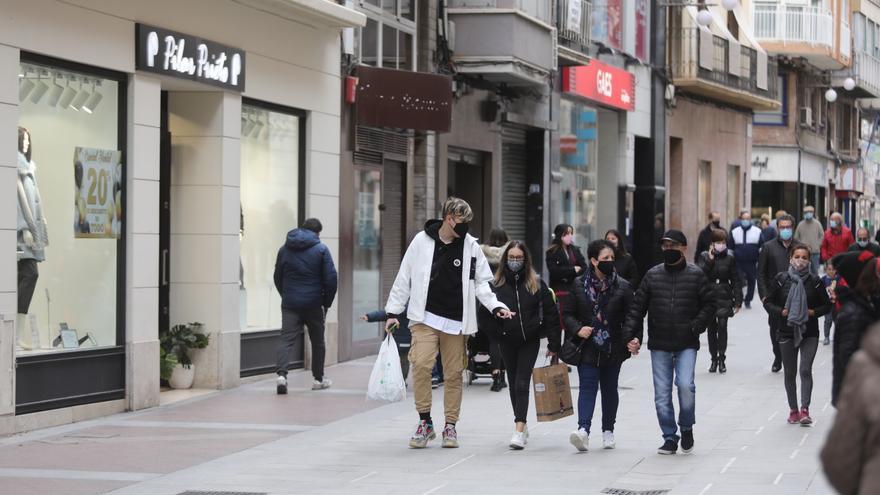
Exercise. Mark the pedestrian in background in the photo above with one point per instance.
(864, 243)
(810, 232)
(724, 281)
(443, 274)
(832, 281)
(518, 286)
(305, 277)
(704, 239)
(745, 242)
(676, 298)
(594, 319)
(624, 263)
(796, 299)
(838, 238)
(851, 455)
(767, 233)
(774, 259)
(565, 263)
(498, 242)
(860, 308)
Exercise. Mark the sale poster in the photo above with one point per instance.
(98, 202)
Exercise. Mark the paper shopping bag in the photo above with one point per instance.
(552, 392)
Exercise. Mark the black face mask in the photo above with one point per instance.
(716, 224)
(672, 256)
(461, 229)
(606, 267)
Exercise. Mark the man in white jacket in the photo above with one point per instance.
(442, 275)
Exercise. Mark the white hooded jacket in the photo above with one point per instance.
(413, 279)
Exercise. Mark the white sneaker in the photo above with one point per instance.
(323, 384)
(518, 441)
(281, 385)
(526, 432)
(608, 440)
(580, 439)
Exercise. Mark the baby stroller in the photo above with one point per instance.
(480, 359)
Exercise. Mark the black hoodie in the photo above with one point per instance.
(445, 297)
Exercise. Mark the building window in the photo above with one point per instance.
(68, 245)
(578, 150)
(390, 31)
(271, 205)
(780, 116)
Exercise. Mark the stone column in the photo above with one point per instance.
(205, 245)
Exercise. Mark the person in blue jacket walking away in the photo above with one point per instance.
(306, 279)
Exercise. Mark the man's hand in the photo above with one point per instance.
(785, 312)
(391, 324)
(585, 332)
(504, 314)
(550, 354)
(633, 346)
(811, 313)
(736, 309)
(364, 317)
(577, 269)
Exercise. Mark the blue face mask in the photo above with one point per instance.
(832, 224)
(745, 223)
(808, 216)
(862, 243)
(785, 234)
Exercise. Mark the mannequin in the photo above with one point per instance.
(32, 234)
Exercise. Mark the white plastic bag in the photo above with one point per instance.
(386, 380)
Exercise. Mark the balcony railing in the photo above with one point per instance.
(541, 10)
(867, 68)
(794, 24)
(845, 40)
(575, 39)
(688, 61)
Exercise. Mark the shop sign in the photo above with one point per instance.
(180, 55)
(602, 83)
(98, 202)
(403, 99)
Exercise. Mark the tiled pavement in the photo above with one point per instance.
(333, 441)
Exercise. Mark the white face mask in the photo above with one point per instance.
(720, 247)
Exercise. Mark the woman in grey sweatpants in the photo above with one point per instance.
(798, 298)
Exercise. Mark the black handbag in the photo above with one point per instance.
(571, 353)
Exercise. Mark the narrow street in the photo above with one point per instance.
(250, 440)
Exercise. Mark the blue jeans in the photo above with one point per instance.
(663, 364)
(591, 378)
(814, 263)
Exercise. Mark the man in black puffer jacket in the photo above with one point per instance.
(306, 280)
(678, 301)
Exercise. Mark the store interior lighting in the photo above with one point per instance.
(40, 89)
(24, 88)
(55, 94)
(67, 95)
(93, 101)
(81, 96)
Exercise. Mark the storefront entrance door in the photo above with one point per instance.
(367, 257)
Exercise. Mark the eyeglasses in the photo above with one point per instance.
(516, 258)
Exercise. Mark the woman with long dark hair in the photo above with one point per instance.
(797, 298)
(518, 286)
(565, 262)
(594, 320)
(624, 263)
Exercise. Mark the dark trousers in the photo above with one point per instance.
(747, 273)
(593, 378)
(27, 283)
(774, 340)
(292, 322)
(807, 353)
(519, 361)
(717, 337)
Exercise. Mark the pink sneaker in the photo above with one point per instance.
(805, 419)
(794, 417)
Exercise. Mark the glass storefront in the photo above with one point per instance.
(367, 263)
(271, 146)
(70, 210)
(578, 165)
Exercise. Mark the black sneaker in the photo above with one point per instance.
(777, 365)
(669, 447)
(687, 441)
(281, 385)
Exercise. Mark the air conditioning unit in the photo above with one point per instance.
(805, 117)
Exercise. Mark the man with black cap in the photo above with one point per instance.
(676, 296)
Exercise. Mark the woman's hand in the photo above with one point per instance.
(585, 332)
(364, 317)
(577, 269)
(633, 346)
(784, 312)
(811, 313)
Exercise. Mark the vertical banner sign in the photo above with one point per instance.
(98, 198)
(574, 16)
(642, 29)
(607, 22)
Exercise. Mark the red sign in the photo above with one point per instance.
(601, 82)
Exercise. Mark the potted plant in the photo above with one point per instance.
(176, 343)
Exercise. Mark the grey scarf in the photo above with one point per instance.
(796, 304)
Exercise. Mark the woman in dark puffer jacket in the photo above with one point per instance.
(594, 320)
(519, 287)
(797, 298)
(858, 311)
(720, 268)
(624, 263)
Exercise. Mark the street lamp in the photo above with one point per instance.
(849, 84)
(831, 95)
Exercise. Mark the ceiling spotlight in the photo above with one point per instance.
(729, 4)
(831, 95)
(849, 84)
(24, 88)
(67, 96)
(89, 106)
(80, 99)
(704, 18)
(55, 94)
(39, 91)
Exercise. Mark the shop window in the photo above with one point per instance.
(70, 210)
(578, 152)
(271, 184)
